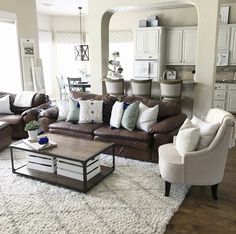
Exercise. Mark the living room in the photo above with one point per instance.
(131, 199)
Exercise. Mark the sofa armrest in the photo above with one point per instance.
(50, 113)
(33, 113)
(167, 125)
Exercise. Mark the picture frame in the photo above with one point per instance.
(27, 47)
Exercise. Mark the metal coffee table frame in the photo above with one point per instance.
(55, 179)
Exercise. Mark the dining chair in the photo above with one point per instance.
(75, 84)
(62, 87)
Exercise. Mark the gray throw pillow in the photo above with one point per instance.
(130, 116)
(73, 115)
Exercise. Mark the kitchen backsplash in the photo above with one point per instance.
(222, 73)
(228, 73)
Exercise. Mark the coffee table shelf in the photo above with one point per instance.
(64, 181)
(74, 149)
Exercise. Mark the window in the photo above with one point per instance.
(122, 41)
(10, 73)
(45, 51)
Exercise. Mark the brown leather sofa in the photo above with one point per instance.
(136, 144)
(23, 115)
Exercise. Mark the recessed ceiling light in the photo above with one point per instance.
(47, 4)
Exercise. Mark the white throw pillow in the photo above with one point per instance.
(187, 138)
(5, 105)
(116, 114)
(207, 132)
(147, 116)
(63, 107)
(90, 111)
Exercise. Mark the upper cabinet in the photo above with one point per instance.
(181, 45)
(147, 43)
(223, 37)
(232, 51)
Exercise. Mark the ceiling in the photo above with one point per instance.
(61, 7)
(70, 7)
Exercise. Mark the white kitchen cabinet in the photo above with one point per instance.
(189, 46)
(231, 100)
(220, 96)
(147, 43)
(225, 97)
(174, 46)
(181, 45)
(223, 37)
(232, 52)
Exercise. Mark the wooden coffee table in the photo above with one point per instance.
(68, 148)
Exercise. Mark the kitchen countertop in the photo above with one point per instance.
(226, 81)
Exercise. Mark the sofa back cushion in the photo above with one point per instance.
(38, 99)
(165, 109)
(108, 102)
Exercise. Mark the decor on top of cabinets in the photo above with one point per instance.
(151, 21)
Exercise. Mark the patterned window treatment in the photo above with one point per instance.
(121, 36)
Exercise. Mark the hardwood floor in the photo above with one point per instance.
(199, 213)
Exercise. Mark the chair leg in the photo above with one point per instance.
(214, 191)
(167, 188)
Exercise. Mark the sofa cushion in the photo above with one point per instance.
(121, 133)
(83, 128)
(130, 116)
(17, 125)
(91, 111)
(39, 98)
(136, 139)
(5, 105)
(11, 119)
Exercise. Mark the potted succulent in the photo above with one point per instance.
(33, 128)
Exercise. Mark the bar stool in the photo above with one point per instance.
(141, 87)
(171, 90)
(115, 87)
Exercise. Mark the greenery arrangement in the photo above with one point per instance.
(32, 125)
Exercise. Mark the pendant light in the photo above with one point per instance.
(82, 50)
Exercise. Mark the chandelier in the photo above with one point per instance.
(82, 50)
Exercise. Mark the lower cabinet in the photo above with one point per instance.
(225, 97)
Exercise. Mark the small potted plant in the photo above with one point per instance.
(32, 128)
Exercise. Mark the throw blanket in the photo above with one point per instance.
(218, 116)
(24, 99)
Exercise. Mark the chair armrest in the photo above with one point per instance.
(167, 125)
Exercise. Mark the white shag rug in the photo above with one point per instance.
(130, 200)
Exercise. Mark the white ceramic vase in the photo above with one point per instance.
(33, 135)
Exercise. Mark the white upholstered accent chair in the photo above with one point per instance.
(141, 87)
(203, 167)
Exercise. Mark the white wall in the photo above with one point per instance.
(26, 18)
(61, 23)
(208, 11)
(25, 11)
